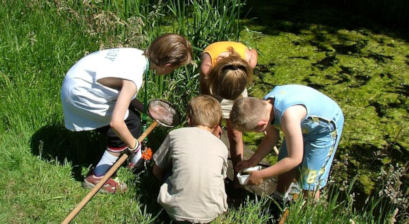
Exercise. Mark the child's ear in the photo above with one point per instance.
(261, 125)
(217, 131)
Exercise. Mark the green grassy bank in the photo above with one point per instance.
(42, 164)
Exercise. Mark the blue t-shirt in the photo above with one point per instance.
(316, 103)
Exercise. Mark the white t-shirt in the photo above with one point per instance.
(195, 189)
(87, 104)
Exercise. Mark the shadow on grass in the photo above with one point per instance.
(82, 149)
(148, 189)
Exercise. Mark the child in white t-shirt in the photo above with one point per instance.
(99, 88)
(196, 160)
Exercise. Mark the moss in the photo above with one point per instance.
(386, 160)
(367, 183)
(364, 69)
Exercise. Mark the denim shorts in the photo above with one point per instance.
(321, 138)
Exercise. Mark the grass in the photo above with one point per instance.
(42, 163)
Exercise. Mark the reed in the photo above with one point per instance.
(201, 22)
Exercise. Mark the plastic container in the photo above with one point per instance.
(243, 175)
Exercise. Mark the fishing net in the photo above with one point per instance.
(163, 112)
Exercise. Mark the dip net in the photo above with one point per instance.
(163, 112)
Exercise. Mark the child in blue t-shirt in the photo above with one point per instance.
(312, 125)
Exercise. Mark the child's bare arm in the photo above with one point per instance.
(291, 127)
(252, 56)
(205, 66)
(264, 148)
(162, 159)
(117, 123)
(266, 145)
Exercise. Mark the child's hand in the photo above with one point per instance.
(242, 165)
(255, 178)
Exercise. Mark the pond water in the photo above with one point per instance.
(360, 64)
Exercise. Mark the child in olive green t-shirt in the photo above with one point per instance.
(196, 159)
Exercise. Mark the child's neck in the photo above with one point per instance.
(204, 128)
(216, 131)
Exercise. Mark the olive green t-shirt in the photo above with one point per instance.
(197, 160)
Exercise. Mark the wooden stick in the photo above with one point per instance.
(110, 172)
(284, 216)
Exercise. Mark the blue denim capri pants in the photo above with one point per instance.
(321, 138)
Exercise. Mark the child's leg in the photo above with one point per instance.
(115, 145)
(107, 160)
(312, 194)
(114, 148)
(284, 180)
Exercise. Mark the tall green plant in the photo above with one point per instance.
(201, 22)
(206, 21)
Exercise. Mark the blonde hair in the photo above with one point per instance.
(204, 110)
(246, 113)
(170, 49)
(229, 77)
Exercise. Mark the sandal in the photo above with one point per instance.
(111, 186)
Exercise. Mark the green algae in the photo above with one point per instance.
(364, 68)
(367, 183)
